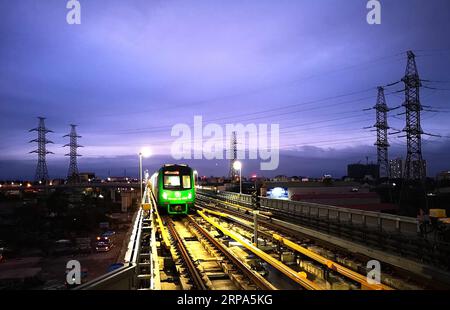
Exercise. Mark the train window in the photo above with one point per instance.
(171, 181)
(186, 181)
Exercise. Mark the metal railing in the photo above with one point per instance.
(386, 237)
(368, 219)
(123, 278)
(140, 270)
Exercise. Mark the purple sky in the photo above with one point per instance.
(135, 68)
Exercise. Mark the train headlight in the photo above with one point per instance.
(189, 195)
(164, 195)
(177, 194)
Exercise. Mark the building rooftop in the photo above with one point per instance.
(311, 184)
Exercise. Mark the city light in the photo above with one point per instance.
(237, 165)
(145, 152)
(196, 176)
(350, 189)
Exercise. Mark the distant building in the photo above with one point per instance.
(280, 178)
(118, 179)
(361, 172)
(416, 165)
(86, 176)
(56, 182)
(127, 198)
(340, 194)
(212, 180)
(396, 168)
(443, 176)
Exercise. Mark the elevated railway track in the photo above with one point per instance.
(215, 248)
(396, 261)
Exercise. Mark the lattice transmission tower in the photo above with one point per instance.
(414, 165)
(233, 174)
(382, 127)
(42, 141)
(72, 173)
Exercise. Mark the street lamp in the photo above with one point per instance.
(196, 177)
(145, 152)
(254, 178)
(238, 166)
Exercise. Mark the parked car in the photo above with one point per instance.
(103, 247)
(109, 233)
(103, 244)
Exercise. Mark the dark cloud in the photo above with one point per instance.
(308, 161)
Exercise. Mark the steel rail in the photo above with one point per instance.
(193, 271)
(361, 279)
(255, 278)
(348, 273)
(292, 274)
(154, 209)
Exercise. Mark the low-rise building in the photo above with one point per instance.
(338, 193)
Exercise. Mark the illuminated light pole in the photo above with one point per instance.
(196, 177)
(145, 152)
(237, 165)
(254, 177)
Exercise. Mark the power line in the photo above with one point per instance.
(265, 88)
(290, 113)
(235, 118)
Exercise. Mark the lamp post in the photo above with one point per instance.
(238, 166)
(145, 152)
(254, 177)
(196, 177)
(140, 174)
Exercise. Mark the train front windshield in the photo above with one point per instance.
(177, 181)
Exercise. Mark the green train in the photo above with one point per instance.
(174, 188)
